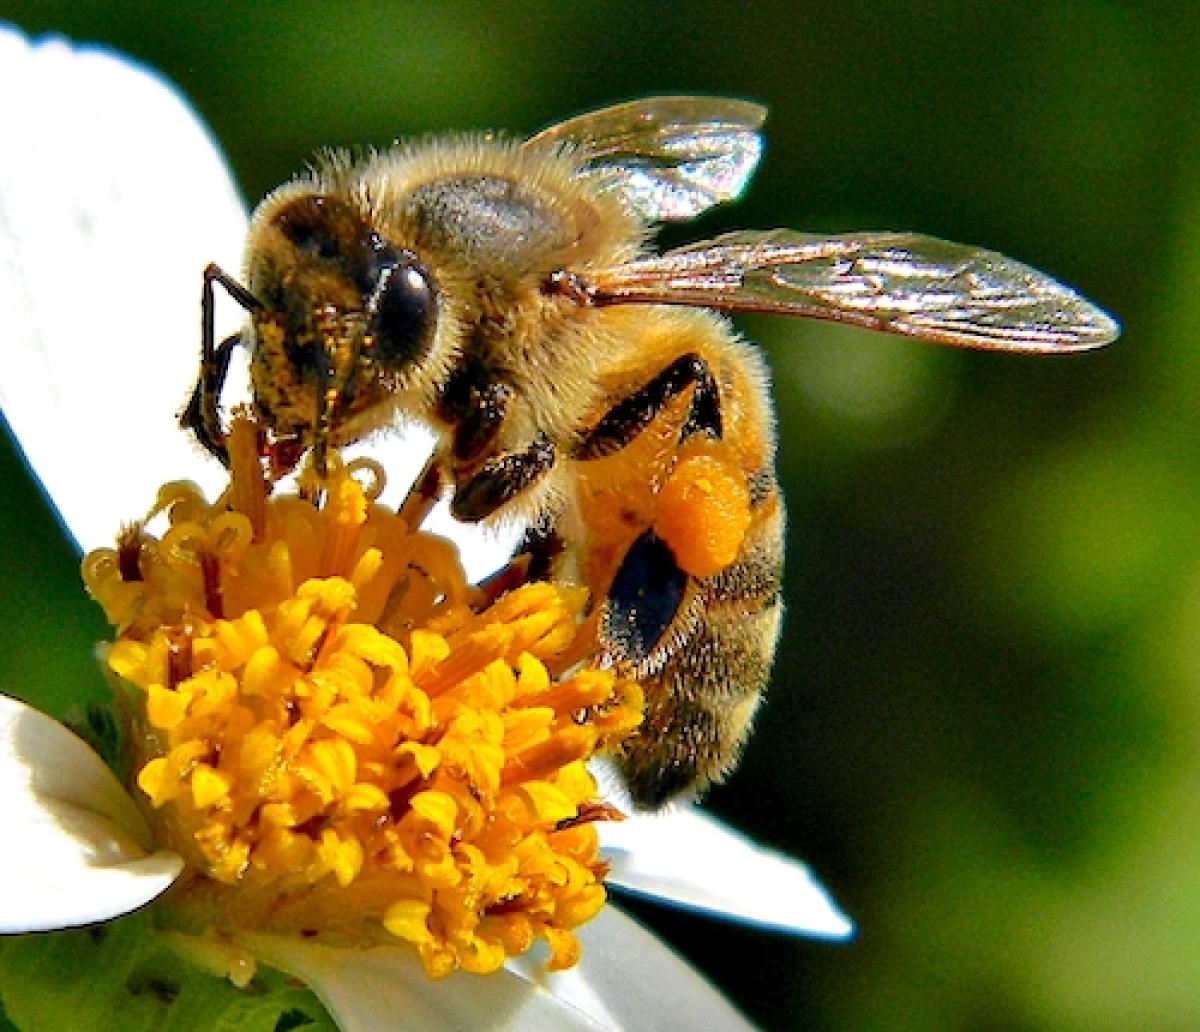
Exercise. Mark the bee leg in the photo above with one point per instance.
(543, 545)
(500, 480)
(423, 495)
(508, 578)
(646, 593)
(533, 560)
(474, 401)
(481, 420)
(647, 616)
(202, 415)
(630, 416)
(696, 628)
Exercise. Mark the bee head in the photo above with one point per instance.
(347, 317)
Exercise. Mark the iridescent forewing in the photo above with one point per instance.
(900, 283)
(666, 157)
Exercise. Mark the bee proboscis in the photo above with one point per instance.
(506, 295)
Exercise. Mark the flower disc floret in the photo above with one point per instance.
(344, 739)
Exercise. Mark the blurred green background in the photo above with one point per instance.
(984, 731)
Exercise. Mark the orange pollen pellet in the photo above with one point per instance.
(704, 512)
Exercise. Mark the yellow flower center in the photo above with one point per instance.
(344, 739)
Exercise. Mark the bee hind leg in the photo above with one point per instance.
(647, 593)
(630, 416)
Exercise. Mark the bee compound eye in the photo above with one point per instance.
(403, 310)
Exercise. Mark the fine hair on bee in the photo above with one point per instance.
(507, 295)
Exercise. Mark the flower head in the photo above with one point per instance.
(343, 740)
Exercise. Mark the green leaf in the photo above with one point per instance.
(126, 977)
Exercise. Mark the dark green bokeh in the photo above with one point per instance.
(986, 721)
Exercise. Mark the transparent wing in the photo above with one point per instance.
(666, 157)
(901, 283)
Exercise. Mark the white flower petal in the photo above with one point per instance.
(687, 858)
(482, 549)
(41, 756)
(113, 198)
(74, 849)
(73, 868)
(630, 980)
(385, 990)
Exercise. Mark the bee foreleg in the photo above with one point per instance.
(501, 479)
(213, 273)
(630, 416)
(202, 415)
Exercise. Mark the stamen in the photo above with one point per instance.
(249, 491)
(129, 552)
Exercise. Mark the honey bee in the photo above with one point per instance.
(506, 295)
